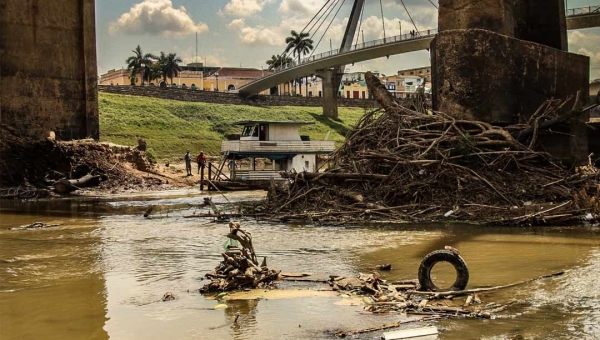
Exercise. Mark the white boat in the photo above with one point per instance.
(279, 142)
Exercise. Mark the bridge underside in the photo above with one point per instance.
(341, 59)
(583, 21)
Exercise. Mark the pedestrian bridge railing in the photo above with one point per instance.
(573, 12)
(356, 47)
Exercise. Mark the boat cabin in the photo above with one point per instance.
(279, 142)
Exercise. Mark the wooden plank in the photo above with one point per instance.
(410, 333)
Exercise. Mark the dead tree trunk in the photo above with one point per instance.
(65, 186)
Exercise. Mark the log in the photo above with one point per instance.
(65, 186)
(338, 176)
(484, 290)
(379, 92)
(521, 135)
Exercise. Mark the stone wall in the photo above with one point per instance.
(228, 98)
(48, 71)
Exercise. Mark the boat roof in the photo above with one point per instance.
(253, 122)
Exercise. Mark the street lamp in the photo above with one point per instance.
(217, 76)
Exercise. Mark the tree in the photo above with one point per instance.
(139, 63)
(300, 44)
(278, 61)
(169, 64)
(155, 72)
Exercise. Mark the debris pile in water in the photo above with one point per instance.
(407, 163)
(239, 268)
(28, 163)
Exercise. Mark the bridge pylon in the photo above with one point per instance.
(332, 78)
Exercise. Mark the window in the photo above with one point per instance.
(250, 131)
(306, 165)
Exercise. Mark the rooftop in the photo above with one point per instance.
(253, 122)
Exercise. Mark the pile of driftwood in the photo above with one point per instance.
(239, 268)
(403, 297)
(403, 162)
(66, 166)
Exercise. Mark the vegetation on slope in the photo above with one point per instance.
(171, 127)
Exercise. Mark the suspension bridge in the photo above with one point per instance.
(350, 53)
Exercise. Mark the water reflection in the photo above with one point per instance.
(102, 273)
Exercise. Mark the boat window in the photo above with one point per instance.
(248, 131)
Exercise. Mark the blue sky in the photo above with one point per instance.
(248, 32)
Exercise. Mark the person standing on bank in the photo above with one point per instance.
(188, 163)
(201, 160)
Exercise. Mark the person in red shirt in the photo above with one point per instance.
(201, 160)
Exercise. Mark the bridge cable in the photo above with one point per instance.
(382, 19)
(313, 18)
(325, 32)
(434, 5)
(411, 19)
(360, 25)
(328, 10)
(330, 2)
(336, 2)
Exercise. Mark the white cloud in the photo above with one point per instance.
(296, 8)
(257, 35)
(587, 43)
(157, 17)
(244, 8)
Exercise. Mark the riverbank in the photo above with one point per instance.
(171, 127)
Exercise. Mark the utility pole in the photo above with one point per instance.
(400, 24)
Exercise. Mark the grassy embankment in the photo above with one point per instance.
(170, 127)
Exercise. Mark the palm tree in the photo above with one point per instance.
(169, 64)
(139, 63)
(278, 61)
(300, 44)
(155, 72)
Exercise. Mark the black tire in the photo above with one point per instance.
(462, 272)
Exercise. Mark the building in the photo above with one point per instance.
(352, 85)
(196, 75)
(408, 81)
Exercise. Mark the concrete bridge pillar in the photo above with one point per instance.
(331, 79)
(48, 73)
(499, 60)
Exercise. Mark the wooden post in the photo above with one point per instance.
(210, 175)
(202, 177)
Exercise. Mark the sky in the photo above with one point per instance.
(248, 32)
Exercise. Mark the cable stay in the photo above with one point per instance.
(325, 32)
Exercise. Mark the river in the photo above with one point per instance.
(102, 272)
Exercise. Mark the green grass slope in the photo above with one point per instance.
(170, 127)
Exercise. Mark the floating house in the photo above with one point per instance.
(279, 142)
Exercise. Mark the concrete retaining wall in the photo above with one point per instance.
(228, 98)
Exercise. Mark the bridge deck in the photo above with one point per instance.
(584, 17)
(577, 18)
(361, 52)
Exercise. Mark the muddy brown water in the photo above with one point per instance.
(100, 274)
